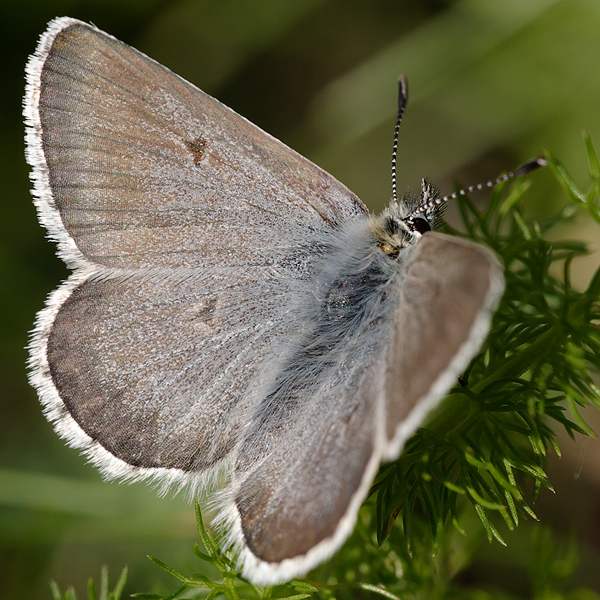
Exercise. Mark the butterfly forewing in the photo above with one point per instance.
(449, 292)
(146, 170)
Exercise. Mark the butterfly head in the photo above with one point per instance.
(405, 221)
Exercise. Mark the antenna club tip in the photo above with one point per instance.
(531, 165)
(402, 91)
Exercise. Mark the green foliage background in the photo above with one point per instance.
(491, 83)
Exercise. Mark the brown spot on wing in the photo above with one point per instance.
(197, 147)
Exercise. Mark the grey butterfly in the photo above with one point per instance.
(234, 312)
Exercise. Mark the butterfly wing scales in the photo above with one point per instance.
(177, 215)
(153, 367)
(146, 170)
(300, 498)
(451, 288)
(293, 484)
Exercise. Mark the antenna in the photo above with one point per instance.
(528, 167)
(402, 100)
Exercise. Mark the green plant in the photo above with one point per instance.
(231, 585)
(105, 594)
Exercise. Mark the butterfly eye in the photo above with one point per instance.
(421, 225)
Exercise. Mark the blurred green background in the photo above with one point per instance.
(492, 82)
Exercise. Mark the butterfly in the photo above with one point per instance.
(235, 315)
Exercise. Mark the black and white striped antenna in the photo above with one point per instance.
(530, 165)
(402, 99)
